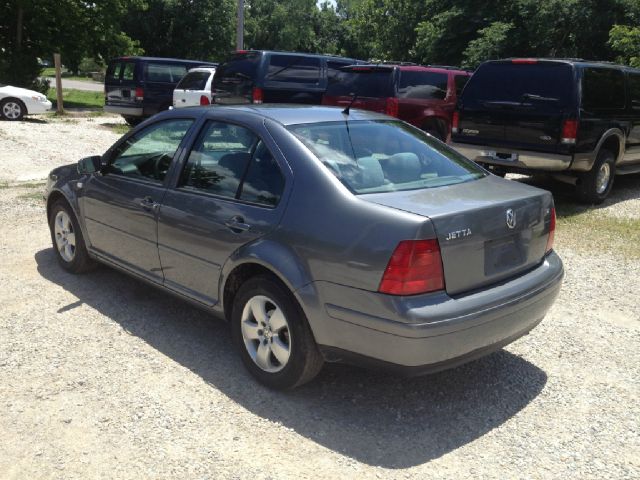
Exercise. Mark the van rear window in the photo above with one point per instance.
(539, 85)
(364, 82)
(194, 81)
(425, 85)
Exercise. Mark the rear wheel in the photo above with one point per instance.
(12, 109)
(272, 334)
(596, 184)
(67, 239)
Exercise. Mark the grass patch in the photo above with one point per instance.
(589, 230)
(5, 185)
(77, 98)
(119, 128)
(32, 196)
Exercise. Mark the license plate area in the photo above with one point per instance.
(503, 254)
(501, 156)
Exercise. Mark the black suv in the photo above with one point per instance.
(138, 87)
(261, 76)
(576, 119)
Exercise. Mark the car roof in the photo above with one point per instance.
(291, 114)
(569, 61)
(405, 68)
(163, 59)
(296, 54)
(202, 69)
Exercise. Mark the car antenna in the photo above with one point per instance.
(353, 99)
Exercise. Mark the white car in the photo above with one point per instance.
(194, 88)
(17, 102)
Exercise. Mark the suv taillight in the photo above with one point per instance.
(204, 100)
(392, 107)
(139, 93)
(455, 122)
(415, 267)
(569, 131)
(552, 230)
(256, 95)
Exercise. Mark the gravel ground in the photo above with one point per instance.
(105, 377)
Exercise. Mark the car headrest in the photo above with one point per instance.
(402, 167)
(371, 171)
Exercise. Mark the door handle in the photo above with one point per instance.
(148, 204)
(236, 224)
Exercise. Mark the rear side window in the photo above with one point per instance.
(294, 69)
(460, 81)
(425, 85)
(634, 90)
(164, 73)
(231, 161)
(603, 89)
(547, 85)
(194, 81)
(362, 82)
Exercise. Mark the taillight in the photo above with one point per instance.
(524, 60)
(415, 267)
(455, 122)
(569, 132)
(392, 107)
(552, 230)
(204, 100)
(139, 93)
(256, 95)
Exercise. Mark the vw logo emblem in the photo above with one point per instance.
(511, 218)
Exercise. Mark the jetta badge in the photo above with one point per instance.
(511, 218)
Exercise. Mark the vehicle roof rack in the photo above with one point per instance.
(450, 67)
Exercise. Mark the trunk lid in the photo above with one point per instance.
(518, 105)
(480, 242)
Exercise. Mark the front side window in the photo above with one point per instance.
(602, 89)
(424, 85)
(164, 73)
(293, 68)
(148, 154)
(231, 161)
(384, 156)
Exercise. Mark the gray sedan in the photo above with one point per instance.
(319, 234)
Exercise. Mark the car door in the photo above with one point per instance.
(120, 204)
(229, 193)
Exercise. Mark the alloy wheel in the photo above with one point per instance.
(266, 334)
(602, 180)
(65, 236)
(11, 110)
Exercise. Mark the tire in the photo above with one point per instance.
(133, 121)
(67, 239)
(278, 349)
(596, 184)
(12, 109)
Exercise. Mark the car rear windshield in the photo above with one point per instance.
(293, 68)
(241, 66)
(194, 81)
(425, 85)
(545, 85)
(384, 156)
(364, 82)
(164, 73)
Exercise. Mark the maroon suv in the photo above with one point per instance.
(422, 96)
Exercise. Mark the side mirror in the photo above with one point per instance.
(89, 165)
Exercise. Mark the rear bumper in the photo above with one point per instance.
(432, 332)
(124, 110)
(526, 159)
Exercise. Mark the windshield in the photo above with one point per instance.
(384, 156)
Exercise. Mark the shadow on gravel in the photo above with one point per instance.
(625, 187)
(374, 418)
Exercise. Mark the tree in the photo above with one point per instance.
(492, 43)
(625, 40)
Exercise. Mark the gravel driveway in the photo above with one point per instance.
(105, 377)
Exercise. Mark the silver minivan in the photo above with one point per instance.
(194, 88)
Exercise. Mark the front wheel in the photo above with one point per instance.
(273, 336)
(596, 184)
(12, 109)
(67, 239)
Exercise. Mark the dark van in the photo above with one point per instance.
(260, 76)
(138, 87)
(575, 119)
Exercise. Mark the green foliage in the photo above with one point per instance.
(625, 41)
(77, 98)
(492, 43)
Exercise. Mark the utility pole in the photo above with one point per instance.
(240, 31)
